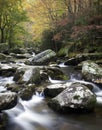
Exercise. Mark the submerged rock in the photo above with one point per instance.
(7, 100)
(92, 72)
(76, 97)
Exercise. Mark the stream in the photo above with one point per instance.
(36, 115)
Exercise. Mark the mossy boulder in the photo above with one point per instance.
(23, 90)
(92, 72)
(83, 57)
(27, 91)
(55, 73)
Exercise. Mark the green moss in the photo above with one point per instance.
(76, 97)
(63, 52)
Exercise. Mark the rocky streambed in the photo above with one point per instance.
(58, 89)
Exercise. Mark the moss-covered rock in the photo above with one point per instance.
(92, 72)
(27, 92)
(83, 57)
(24, 91)
(55, 73)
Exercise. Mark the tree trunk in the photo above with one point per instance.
(98, 7)
(10, 38)
(2, 36)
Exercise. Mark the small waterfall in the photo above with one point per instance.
(4, 81)
(36, 115)
(75, 77)
(95, 87)
(56, 81)
(62, 65)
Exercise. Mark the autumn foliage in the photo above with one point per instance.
(52, 24)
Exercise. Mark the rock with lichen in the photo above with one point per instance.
(7, 100)
(92, 72)
(42, 58)
(76, 97)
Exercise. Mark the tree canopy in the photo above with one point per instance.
(11, 15)
(64, 21)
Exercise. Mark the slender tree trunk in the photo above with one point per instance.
(98, 7)
(2, 35)
(10, 38)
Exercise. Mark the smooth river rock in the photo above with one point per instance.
(7, 100)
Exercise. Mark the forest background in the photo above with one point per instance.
(65, 26)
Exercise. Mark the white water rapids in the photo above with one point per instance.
(30, 115)
(36, 115)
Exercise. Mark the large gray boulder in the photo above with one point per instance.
(76, 97)
(92, 72)
(43, 58)
(7, 100)
(27, 75)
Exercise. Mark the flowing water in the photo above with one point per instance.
(36, 115)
